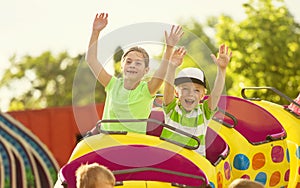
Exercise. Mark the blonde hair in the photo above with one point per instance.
(245, 183)
(88, 175)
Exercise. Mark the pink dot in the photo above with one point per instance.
(227, 170)
(245, 176)
(287, 175)
(277, 154)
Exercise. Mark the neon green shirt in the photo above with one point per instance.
(121, 103)
(194, 122)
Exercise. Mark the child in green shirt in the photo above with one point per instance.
(129, 97)
(186, 112)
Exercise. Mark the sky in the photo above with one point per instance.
(34, 26)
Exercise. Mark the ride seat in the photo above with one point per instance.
(216, 148)
(153, 128)
(255, 123)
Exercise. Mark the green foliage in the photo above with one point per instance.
(266, 48)
(265, 45)
(117, 61)
(199, 47)
(44, 81)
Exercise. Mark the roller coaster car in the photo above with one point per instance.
(262, 138)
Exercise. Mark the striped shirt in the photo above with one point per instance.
(194, 122)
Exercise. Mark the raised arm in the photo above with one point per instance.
(171, 41)
(221, 62)
(98, 70)
(176, 61)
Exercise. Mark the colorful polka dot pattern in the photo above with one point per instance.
(227, 170)
(259, 163)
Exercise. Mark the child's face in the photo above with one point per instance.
(133, 66)
(190, 94)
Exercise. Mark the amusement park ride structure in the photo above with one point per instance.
(247, 138)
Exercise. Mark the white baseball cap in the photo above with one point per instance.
(194, 75)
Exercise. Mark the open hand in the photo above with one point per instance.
(177, 57)
(174, 36)
(100, 21)
(223, 57)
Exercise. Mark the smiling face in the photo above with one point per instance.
(190, 94)
(133, 65)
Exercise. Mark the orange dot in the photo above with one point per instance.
(275, 178)
(220, 180)
(258, 161)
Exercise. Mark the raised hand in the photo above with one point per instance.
(177, 57)
(223, 57)
(174, 36)
(100, 22)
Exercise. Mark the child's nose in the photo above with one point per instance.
(131, 65)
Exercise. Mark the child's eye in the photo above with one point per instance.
(138, 63)
(197, 90)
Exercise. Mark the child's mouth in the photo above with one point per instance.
(131, 72)
(189, 101)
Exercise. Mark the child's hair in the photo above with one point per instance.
(245, 183)
(88, 175)
(140, 50)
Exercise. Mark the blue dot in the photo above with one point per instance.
(288, 155)
(212, 184)
(261, 177)
(298, 152)
(241, 162)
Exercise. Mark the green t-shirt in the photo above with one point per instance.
(194, 122)
(121, 103)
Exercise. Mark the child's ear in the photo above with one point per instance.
(147, 70)
(203, 93)
(176, 93)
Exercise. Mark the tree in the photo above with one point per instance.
(266, 48)
(45, 81)
(117, 61)
(199, 46)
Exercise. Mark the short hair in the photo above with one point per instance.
(140, 50)
(88, 175)
(245, 183)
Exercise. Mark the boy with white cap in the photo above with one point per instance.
(186, 112)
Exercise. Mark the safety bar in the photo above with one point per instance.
(267, 88)
(98, 125)
(278, 136)
(145, 169)
(235, 121)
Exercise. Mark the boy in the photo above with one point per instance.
(129, 97)
(186, 113)
(94, 176)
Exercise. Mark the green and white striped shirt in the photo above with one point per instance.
(194, 122)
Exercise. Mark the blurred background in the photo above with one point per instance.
(43, 42)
